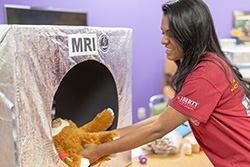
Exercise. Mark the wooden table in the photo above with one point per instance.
(177, 160)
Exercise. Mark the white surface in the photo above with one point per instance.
(137, 152)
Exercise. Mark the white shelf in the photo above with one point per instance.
(240, 56)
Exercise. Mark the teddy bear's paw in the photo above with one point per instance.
(116, 137)
(84, 162)
(101, 122)
(110, 111)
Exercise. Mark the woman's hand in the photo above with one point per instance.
(90, 153)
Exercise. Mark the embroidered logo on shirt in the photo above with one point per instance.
(188, 103)
(195, 121)
(246, 104)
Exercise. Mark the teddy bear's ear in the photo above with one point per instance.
(56, 122)
(55, 118)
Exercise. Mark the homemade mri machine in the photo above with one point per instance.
(77, 70)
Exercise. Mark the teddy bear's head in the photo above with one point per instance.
(69, 139)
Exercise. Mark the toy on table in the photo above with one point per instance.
(69, 139)
(143, 159)
(170, 143)
(195, 147)
(187, 148)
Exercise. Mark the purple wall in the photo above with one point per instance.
(144, 18)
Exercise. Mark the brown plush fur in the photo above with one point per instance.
(71, 138)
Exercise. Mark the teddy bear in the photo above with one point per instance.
(69, 139)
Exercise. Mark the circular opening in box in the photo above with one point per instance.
(87, 89)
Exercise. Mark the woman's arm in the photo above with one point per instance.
(125, 130)
(137, 135)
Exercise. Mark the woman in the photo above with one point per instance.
(210, 92)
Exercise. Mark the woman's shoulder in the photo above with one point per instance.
(212, 61)
(211, 66)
